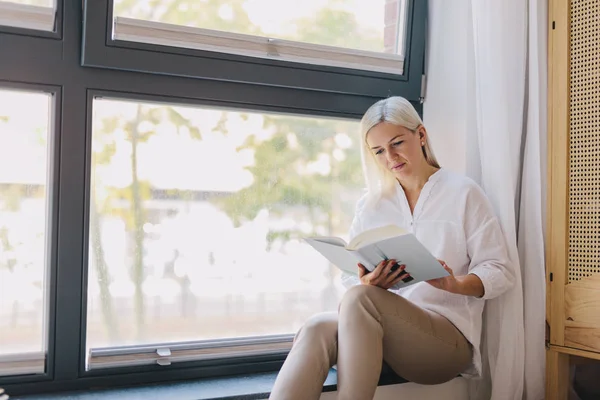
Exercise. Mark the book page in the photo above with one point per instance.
(375, 235)
(331, 240)
(336, 254)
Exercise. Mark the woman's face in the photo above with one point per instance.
(397, 148)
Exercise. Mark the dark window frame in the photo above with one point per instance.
(104, 52)
(52, 193)
(56, 64)
(158, 99)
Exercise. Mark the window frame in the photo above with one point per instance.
(100, 50)
(93, 94)
(56, 34)
(57, 64)
(52, 202)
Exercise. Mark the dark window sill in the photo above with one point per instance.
(247, 387)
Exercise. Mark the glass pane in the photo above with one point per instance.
(28, 14)
(24, 136)
(197, 217)
(40, 3)
(374, 25)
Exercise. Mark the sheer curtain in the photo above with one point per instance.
(502, 75)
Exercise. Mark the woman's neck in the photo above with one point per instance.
(415, 183)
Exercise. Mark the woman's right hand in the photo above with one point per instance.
(382, 276)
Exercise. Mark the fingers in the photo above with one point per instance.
(446, 267)
(362, 270)
(400, 276)
(386, 274)
(395, 271)
(387, 269)
(379, 270)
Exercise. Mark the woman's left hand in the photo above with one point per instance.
(447, 283)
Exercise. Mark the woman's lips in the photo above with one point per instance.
(398, 166)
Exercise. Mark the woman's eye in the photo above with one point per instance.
(378, 152)
(398, 143)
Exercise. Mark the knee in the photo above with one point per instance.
(320, 327)
(357, 295)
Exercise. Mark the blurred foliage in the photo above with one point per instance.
(300, 168)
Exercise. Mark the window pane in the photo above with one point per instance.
(40, 3)
(28, 14)
(197, 216)
(24, 136)
(374, 25)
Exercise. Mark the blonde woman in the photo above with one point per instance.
(429, 332)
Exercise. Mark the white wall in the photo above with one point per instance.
(448, 93)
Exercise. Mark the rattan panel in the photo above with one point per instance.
(584, 192)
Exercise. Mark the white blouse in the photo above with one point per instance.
(454, 219)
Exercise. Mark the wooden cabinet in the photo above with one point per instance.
(573, 220)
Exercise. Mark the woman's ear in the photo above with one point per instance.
(422, 133)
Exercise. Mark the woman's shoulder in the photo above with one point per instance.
(369, 203)
(463, 189)
(469, 194)
(460, 182)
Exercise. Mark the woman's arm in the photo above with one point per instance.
(486, 246)
(470, 285)
(490, 271)
(467, 285)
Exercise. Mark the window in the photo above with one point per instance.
(344, 33)
(24, 137)
(28, 14)
(160, 161)
(177, 254)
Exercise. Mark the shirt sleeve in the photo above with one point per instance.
(486, 246)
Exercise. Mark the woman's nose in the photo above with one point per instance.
(391, 156)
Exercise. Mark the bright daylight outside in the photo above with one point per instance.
(197, 217)
(373, 25)
(41, 3)
(24, 130)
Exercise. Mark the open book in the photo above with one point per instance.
(375, 245)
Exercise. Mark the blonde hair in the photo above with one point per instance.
(394, 110)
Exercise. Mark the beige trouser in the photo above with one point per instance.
(373, 325)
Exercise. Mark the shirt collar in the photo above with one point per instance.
(423, 196)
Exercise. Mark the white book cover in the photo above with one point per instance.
(375, 245)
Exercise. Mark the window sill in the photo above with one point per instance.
(247, 387)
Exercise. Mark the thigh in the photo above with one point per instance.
(418, 344)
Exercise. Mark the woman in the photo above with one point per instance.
(429, 332)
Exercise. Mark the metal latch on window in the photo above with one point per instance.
(165, 356)
(272, 48)
(423, 88)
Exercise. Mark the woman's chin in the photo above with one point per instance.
(401, 172)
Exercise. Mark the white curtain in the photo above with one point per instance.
(532, 203)
(503, 76)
